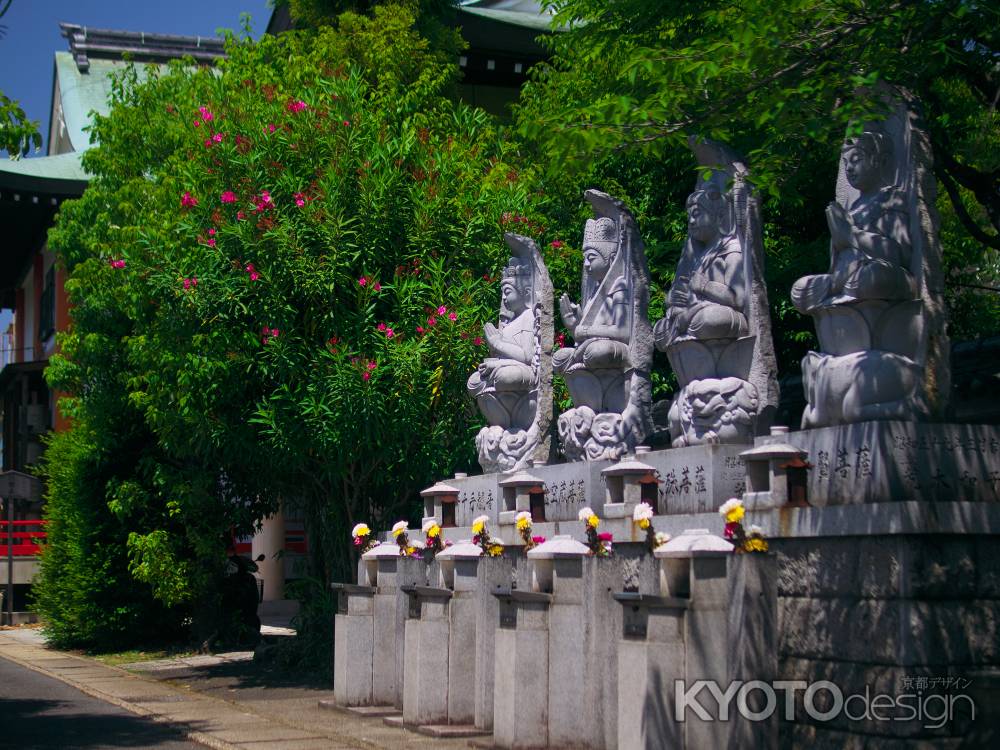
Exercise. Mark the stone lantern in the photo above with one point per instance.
(440, 501)
(628, 483)
(522, 491)
(776, 474)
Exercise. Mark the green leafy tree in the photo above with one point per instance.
(18, 134)
(280, 271)
(780, 82)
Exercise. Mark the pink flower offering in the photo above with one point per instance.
(188, 200)
(605, 536)
(228, 196)
(538, 539)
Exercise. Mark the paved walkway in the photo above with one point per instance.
(223, 701)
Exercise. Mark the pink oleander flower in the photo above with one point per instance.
(296, 106)
(263, 201)
(275, 332)
(556, 244)
(420, 329)
(211, 232)
(478, 341)
(431, 321)
(362, 281)
(117, 263)
(452, 317)
(208, 143)
(191, 282)
(240, 216)
(228, 196)
(366, 375)
(381, 326)
(210, 242)
(188, 200)
(271, 127)
(217, 137)
(347, 123)
(389, 333)
(300, 199)
(372, 365)
(206, 114)
(197, 122)
(377, 287)
(442, 310)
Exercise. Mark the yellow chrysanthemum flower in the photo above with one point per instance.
(735, 514)
(477, 527)
(495, 550)
(756, 544)
(644, 524)
(433, 531)
(594, 521)
(411, 550)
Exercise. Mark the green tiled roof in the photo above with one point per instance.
(538, 21)
(83, 93)
(60, 174)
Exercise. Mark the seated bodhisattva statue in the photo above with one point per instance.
(708, 296)
(870, 241)
(607, 371)
(513, 385)
(879, 316)
(712, 334)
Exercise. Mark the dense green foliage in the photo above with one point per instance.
(279, 274)
(630, 81)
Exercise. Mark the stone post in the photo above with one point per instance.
(353, 644)
(426, 656)
(460, 573)
(521, 676)
(390, 607)
(494, 574)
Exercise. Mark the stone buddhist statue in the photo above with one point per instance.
(513, 386)
(716, 332)
(879, 312)
(607, 371)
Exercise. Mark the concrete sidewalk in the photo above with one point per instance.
(223, 701)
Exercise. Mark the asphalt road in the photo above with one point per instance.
(38, 712)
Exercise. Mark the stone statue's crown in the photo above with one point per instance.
(600, 230)
(516, 270)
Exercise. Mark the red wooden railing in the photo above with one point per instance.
(24, 537)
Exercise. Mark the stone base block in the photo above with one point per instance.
(871, 462)
(425, 672)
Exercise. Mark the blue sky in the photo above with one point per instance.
(32, 35)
